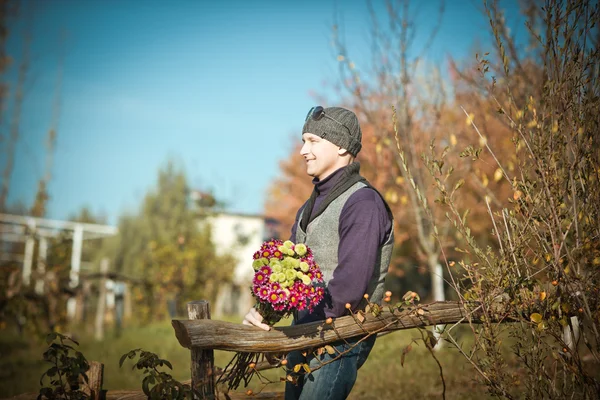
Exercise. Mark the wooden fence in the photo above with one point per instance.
(203, 335)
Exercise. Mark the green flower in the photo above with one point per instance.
(281, 277)
(306, 280)
(256, 264)
(290, 262)
(290, 274)
(273, 278)
(277, 268)
(301, 249)
(273, 262)
(265, 261)
(304, 266)
(288, 244)
(299, 274)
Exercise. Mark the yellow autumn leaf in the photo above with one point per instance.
(484, 180)
(517, 195)
(542, 296)
(536, 317)
(391, 196)
(542, 325)
(453, 140)
(297, 367)
(497, 175)
(470, 118)
(399, 180)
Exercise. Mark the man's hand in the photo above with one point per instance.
(254, 318)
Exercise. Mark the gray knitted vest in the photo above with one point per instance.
(322, 236)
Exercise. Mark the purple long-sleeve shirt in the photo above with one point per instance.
(364, 227)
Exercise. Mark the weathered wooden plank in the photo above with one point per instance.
(220, 335)
(139, 395)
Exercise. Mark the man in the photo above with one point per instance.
(349, 227)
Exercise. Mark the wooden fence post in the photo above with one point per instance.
(95, 380)
(202, 367)
(101, 308)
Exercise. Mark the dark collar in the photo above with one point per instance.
(332, 186)
(323, 187)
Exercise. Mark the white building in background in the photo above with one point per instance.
(243, 233)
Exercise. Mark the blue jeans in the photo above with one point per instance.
(332, 381)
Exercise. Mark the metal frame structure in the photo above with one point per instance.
(18, 228)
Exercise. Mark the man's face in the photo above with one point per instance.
(321, 156)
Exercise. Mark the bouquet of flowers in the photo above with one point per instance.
(286, 279)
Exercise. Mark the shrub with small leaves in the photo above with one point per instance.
(157, 384)
(67, 367)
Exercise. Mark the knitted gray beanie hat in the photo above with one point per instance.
(338, 125)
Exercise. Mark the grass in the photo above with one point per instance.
(382, 375)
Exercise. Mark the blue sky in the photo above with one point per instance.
(221, 87)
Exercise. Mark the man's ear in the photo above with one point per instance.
(342, 152)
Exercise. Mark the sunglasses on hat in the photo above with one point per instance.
(317, 113)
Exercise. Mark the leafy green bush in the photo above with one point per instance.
(157, 384)
(67, 367)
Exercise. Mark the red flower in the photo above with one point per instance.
(259, 278)
(263, 293)
(266, 270)
(273, 297)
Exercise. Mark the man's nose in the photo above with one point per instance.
(304, 149)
